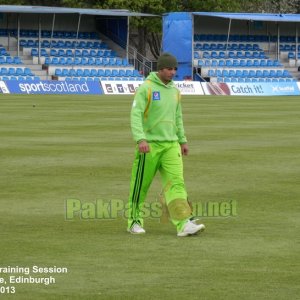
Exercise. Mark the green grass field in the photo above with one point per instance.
(242, 149)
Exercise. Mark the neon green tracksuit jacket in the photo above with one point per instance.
(156, 112)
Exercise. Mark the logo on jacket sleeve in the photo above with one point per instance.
(156, 95)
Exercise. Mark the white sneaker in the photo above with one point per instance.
(136, 229)
(191, 228)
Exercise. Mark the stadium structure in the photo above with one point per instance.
(46, 43)
(92, 45)
(234, 47)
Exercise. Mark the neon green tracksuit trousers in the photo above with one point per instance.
(166, 158)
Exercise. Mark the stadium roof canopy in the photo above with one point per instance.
(252, 16)
(66, 10)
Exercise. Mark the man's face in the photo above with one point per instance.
(167, 74)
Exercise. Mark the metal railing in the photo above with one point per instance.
(140, 62)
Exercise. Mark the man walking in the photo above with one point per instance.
(157, 128)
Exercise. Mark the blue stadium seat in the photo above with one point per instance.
(62, 61)
(86, 73)
(91, 61)
(72, 72)
(235, 62)
(47, 61)
(256, 63)
(94, 73)
(100, 53)
(11, 71)
(34, 52)
(4, 71)
(238, 73)
(136, 73)
(79, 72)
(259, 73)
(118, 61)
(252, 73)
(245, 73)
(93, 53)
(65, 72)
(225, 73)
(85, 53)
(200, 62)
(196, 55)
(229, 63)
(279, 73)
(266, 73)
(231, 73)
(55, 61)
(249, 63)
(263, 63)
(214, 63)
(243, 63)
(43, 52)
(84, 61)
(69, 53)
(115, 72)
(17, 60)
(78, 52)
(105, 61)
(27, 72)
(19, 71)
(77, 61)
(122, 73)
(286, 73)
(101, 73)
(9, 60)
(53, 52)
(272, 73)
(69, 61)
(61, 52)
(58, 72)
(211, 73)
(107, 72)
(98, 62)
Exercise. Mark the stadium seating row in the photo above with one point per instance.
(8, 60)
(97, 73)
(228, 79)
(64, 44)
(238, 63)
(244, 38)
(48, 33)
(72, 53)
(225, 46)
(292, 55)
(23, 78)
(230, 54)
(15, 72)
(249, 73)
(101, 78)
(82, 61)
(288, 47)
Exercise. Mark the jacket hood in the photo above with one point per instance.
(154, 78)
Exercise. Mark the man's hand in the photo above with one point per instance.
(144, 147)
(184, 149)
